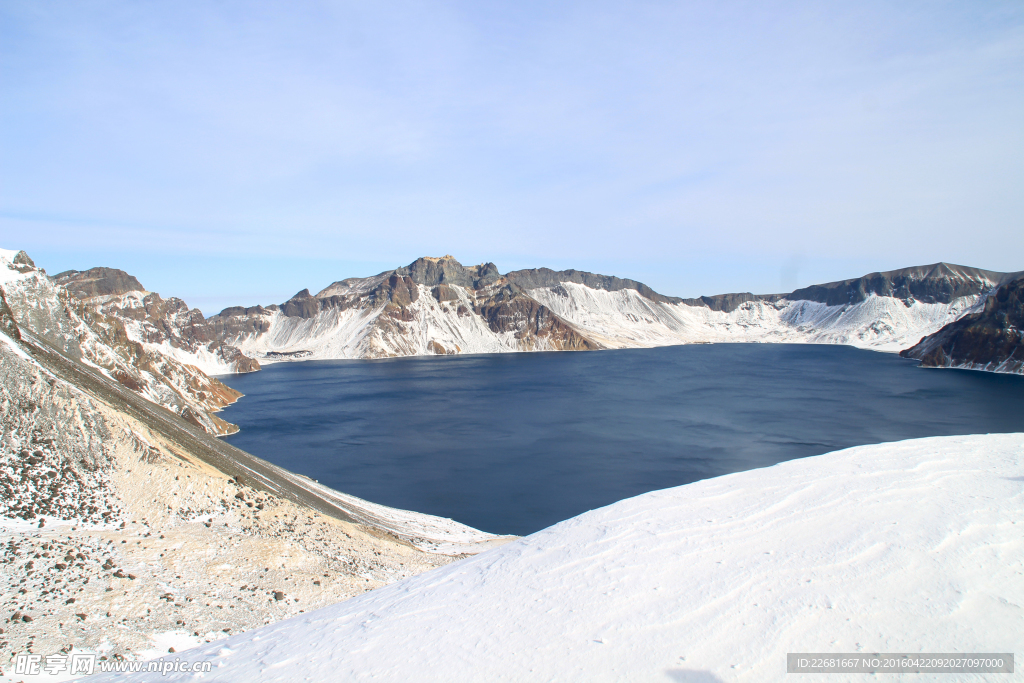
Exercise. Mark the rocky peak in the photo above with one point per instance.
(242, 310)
(97, 282)
(302, 305)
(22, 259)
(431, 271)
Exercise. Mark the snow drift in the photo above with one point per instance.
(913, 546)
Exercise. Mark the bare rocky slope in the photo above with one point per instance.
(101, 340)
(126, 529)
(167, 326)
(989, 339)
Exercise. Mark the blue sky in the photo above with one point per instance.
(236, 152)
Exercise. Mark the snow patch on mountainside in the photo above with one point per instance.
(880, 323)
(625, 319)
(913, 546)
(332, 333)
(202, 358)
(610, 319)
(438, 535)
(372, 333)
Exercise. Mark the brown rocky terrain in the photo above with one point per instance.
(102, 338)
(990, 339)
(150, 319)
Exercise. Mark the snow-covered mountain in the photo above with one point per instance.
(51, 315)
(991, 338)
(163, 326)
(913, 546)
(432, 306)
(126, 528)
(438, 306)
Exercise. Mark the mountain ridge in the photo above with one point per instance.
(433, 271)
(436, 305)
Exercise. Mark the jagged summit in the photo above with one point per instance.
(163, 326)
(98, 282)
(446, 270)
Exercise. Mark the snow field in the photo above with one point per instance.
(912, 546)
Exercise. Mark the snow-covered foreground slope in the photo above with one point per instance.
(912, 546)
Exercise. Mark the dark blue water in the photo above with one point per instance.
(513, 443)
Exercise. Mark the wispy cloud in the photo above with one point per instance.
(648, 136)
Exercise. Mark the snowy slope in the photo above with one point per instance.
(370, 333)
(621, 319)
(625, 318)
(912, 546)
(48, 311)
(354, 319)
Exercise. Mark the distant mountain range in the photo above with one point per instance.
(438, 306)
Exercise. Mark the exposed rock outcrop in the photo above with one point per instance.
(431, 271)
(84, 332)
(98, 282)
(162, 325)
(937, 283)
(990, 339)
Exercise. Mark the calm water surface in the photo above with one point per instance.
(513, 443)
